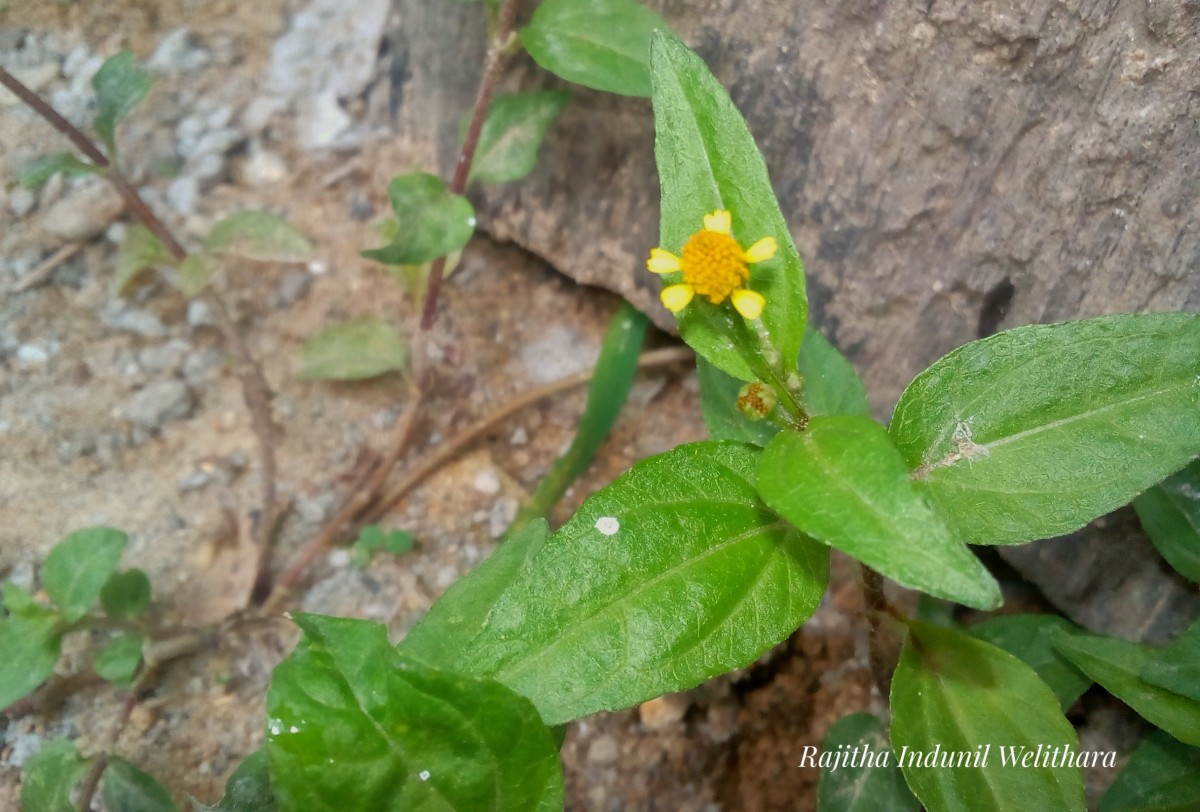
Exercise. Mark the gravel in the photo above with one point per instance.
(160, 403)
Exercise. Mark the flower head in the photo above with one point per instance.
(713, 265)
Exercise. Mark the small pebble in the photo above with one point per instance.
(159, 403)
(182, 194)
(487, 481)
(663, 711)
(293, 287)
(31, 355)
(83, 214)
(604, 749)
(21, 201)
(139, 322)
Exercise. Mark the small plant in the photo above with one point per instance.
(697, 561)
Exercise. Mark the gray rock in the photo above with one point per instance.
(32, 355)
(160, 403)
(21, 575)
(182, 194)
(84, 213)
(207, 167)
(134, 320)
(263, 167)
(200, 366)
(164, 357)
(331, 45)
(199, 314)
(215, 142)
(21, 201)
(293, 287)
(258, 114)
(178, 53)
(321, 121)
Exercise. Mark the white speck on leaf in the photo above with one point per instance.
(424, 774)
(607, 525)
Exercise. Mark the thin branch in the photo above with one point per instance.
(51, 263)
(498, 52)
(452, 448)
(360, 497)
(255, 391)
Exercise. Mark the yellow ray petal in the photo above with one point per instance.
(748, 303)
(662, 261)
(676, 297)
(762, 250)
(718, 221)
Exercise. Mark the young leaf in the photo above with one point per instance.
(259, 236)
(433, 222)
(128, 789)
(512, 134)
(77, 568)
(1170, 514)
(140, 251)
(707, 160)
(868, 783)
(953, 697)
(371, 540)
(118, 661)
(1030, 638)
(119, 84)
(460, 615)
(1036, 431)
(30, 642)
(50, 777)
(831, 386)
(354, 725)
(1162, 776)
(126, 594)
(197, 272)
(1177, 667)
(674, 573)
(248, 789)
(34, 174)
(601, 44)
(1117, 665)
(843, 482)
(353, 351)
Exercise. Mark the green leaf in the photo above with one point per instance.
(1177, 667)
(128, 789)
(1030, 638)
(459, 616)
(1162, 775)
(601, 44)
(35, 173)
(831, 386)
(78, 567)
(248, 789)
(957, 697)
(353, 351)
(843, 482)
(607, 393)
(140, 251)
(197, 272)
(30, 642)
(1170, 514)
(259, 236)
(371, 540)
(1036, 431)
(674, 573)
(50, 777)
(707, 161)
(118, 661)
(126, 594)
(866, 778)
(433, 222)
(512, 134)
(1117, 665)
(119, 84)
(354, 725)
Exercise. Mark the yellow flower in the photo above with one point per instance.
(713, 265)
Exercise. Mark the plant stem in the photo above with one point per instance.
(255, 391)
(877, 606)
(498, 51)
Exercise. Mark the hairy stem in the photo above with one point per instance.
(880, 650)
(498, 51)
(255, 391)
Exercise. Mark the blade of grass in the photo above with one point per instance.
(609, 389)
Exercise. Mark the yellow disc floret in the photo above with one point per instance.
(715, 266)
